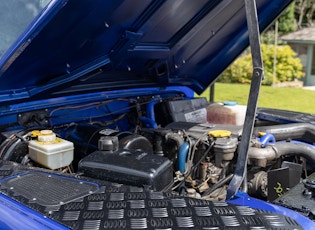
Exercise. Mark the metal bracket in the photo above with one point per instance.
(258, 75)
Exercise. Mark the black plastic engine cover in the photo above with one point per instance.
(131, 167)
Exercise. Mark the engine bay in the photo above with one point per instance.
(172, 144)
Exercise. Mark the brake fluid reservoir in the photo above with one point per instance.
(229, 113)
(49, 150)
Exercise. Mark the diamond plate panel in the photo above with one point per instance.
(115, 206)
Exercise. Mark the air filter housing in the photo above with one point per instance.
(133, 167)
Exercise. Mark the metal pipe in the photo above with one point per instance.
(295, 148)
(274, 151)
(300, 131)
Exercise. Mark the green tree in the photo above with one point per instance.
(304, 12)
(288, 68)
(286, 24)
(287, 20)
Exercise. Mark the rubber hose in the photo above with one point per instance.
(175, 137)
(182, 156)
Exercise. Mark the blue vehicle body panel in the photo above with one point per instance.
(8, 112)
(83, 51)
(79, 46)
(13, 215)
(11, 211)
(243, 199)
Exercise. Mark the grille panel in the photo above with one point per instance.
(48, 189)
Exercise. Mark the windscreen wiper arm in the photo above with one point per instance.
(258, 75)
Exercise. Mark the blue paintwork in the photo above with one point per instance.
(8, 113)
(149, 123)
(83, 46)
(13, 215)
(80, 51)
(243, 199)
(11, 211)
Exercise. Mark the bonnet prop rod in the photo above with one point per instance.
(257, 77)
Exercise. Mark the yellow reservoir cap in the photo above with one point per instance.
(220, 133)
(46, 136)
(35, 133)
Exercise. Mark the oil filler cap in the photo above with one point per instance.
(220, 133)
(108, 143)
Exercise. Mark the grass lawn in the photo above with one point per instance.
(294, 99)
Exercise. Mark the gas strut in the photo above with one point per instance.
(258, 75)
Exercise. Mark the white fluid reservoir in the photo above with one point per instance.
(49, 150)
(228, 113)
